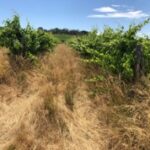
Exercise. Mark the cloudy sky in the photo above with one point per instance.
(77, 14)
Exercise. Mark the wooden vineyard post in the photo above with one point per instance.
(139, 63)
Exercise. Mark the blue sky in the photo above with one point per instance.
(77, 14)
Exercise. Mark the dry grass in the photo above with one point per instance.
(14, 70)
(69, 97)
(4, 64)
(124, 112)
(51, 107)
(54, 111)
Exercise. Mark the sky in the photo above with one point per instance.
(77, 14)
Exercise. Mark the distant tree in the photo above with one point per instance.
(41, 28)
(67, 31)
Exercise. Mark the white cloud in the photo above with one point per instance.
(129, 14)
(114, 5)
(105, 9)
(115, 11)
(119, 6)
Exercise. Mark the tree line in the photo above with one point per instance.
(64, 31)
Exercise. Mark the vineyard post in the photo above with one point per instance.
(139, 63)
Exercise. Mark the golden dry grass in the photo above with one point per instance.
(52, 107)
(42, 116)
(124, 113)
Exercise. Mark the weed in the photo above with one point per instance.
(11, 147)
(50, 105)
(69, 98)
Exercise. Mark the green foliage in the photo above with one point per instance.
(146, 46)
(114, 49)
(63, 37)
(25, 41)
